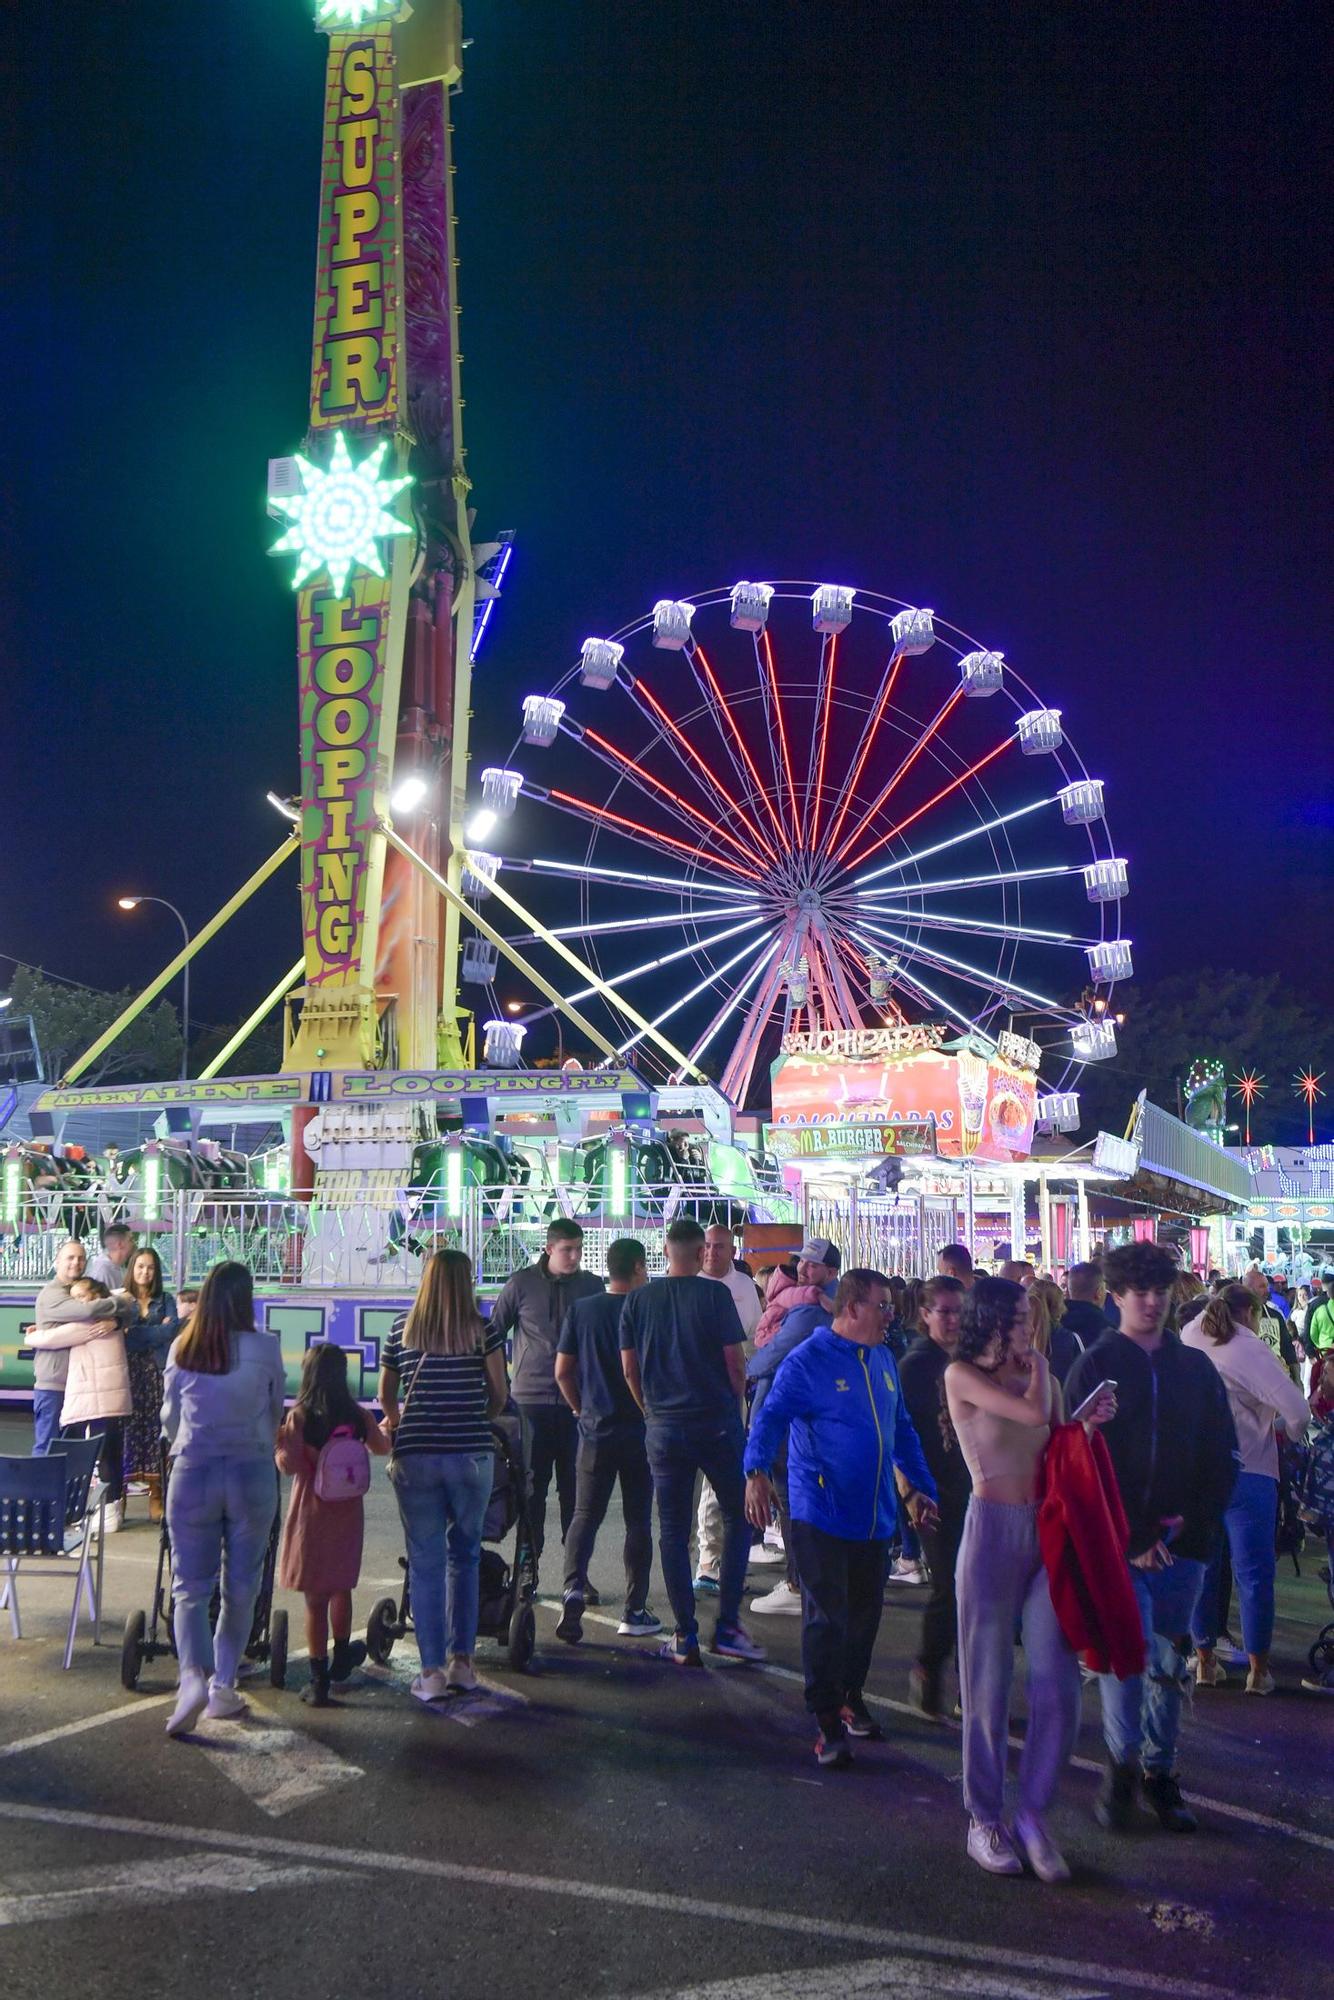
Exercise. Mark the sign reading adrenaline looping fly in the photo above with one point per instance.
(354, 369)
(343, 646)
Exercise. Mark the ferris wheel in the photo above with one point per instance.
(787, 807)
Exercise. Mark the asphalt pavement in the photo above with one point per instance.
(610, 1825)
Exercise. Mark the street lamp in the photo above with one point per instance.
(132, 903)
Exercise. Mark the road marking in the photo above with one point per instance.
(88, 1892)
(896, 1978)
(277, 1768)
(88, 1722)
(623, 1898)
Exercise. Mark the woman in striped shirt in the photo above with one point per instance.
(442, 1379)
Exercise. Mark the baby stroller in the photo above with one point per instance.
(505, 1590)
(148, 1634)
(1316, 1500)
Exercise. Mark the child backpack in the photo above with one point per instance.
(343, 1468)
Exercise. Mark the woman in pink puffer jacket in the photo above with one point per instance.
(97, 1388)
(784, 1292)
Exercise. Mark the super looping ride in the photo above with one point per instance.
(796, 824)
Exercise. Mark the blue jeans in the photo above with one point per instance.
(1249, 1524)
(678, 1449)
(218, 1515)
(442, 1500)
(46, 1404)
(1144, 1714)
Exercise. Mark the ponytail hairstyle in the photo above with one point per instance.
(1234, 1306)
(987, 1316)
(1046, 1310)
(324, 1399)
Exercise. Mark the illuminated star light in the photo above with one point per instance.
(338, 518)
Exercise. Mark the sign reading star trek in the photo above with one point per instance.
(354, 368)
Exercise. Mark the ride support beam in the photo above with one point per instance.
(291, 846)
(680, 1060)
(264, 1009)
(516, 958)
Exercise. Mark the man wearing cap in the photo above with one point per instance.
(818, 1263)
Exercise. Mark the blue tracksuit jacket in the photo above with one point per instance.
(849, 1428)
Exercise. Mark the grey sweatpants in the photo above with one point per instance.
(1002, 1587)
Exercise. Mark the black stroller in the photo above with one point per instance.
(149, 1634)
(505, 1590)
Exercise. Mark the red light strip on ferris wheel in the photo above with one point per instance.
(902, 772)
(881, 704)
(782, 731)
(700, 819)
(716, 783)
(944, 793)
(824, 738)
(698, 653)
(647, 834)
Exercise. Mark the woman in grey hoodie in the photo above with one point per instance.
(222, 1403)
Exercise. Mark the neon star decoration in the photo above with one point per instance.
(1251, 1085)
(1307, 1084)
(341, 515)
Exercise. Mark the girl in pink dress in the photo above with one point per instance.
(321, 1552)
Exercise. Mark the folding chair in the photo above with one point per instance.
(49, 1509)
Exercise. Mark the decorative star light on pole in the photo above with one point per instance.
(341, 514)
(1251, 1085)
(1307, 1084)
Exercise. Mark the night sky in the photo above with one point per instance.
(1018, 311)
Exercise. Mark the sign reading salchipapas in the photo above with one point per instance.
(343, 650)
(354, 366)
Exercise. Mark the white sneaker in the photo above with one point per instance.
(905, 1571)
(991, 1848)
(1044, 1857)
(224, 1703)
(191, 1701)
(461, 1678)
(773, 1536)
(764, 1552)
(431, 1687)
(115, 1515)
(780, 1602)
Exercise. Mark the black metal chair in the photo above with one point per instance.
(51, 1521)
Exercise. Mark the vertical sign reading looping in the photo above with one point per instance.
(354, 366)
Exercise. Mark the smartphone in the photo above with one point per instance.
(1089, 1400)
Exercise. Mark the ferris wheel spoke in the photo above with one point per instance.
(918, 986)
(645, 836)
(955, 840)
(942, 714)
(735, 1081)
(835, 980)
(720, 701)
(944, 792)
(828, 675)
(732, 1002)
(772, 672)
(981, 927)
(873, 896)
(671, 958)
(693, 993)
(619, 925)
(640, 778)
(628, 878)
(713, 786)
(849, 788)
(975, 975)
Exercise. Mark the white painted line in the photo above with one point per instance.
(88, 1722)
(97, 1892)
(684, 1909)
(277, 1768)
(896, 1978)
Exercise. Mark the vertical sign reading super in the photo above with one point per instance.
(354, 367)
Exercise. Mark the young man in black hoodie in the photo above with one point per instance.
(1174, 1450)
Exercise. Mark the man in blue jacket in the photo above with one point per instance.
(837, 1397)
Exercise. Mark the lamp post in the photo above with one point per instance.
(132, 903)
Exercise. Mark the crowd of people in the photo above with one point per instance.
(1088, 1468)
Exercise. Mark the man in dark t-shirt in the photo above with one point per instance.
(683, 1353)
(611, 1445)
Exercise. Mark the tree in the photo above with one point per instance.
(1247, 1020)
(69, 1019)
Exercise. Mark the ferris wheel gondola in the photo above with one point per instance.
(798, 805)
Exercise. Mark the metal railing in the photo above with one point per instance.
(896, 1234)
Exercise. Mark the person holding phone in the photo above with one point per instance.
(1173, 1447)
(1001, 1402)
